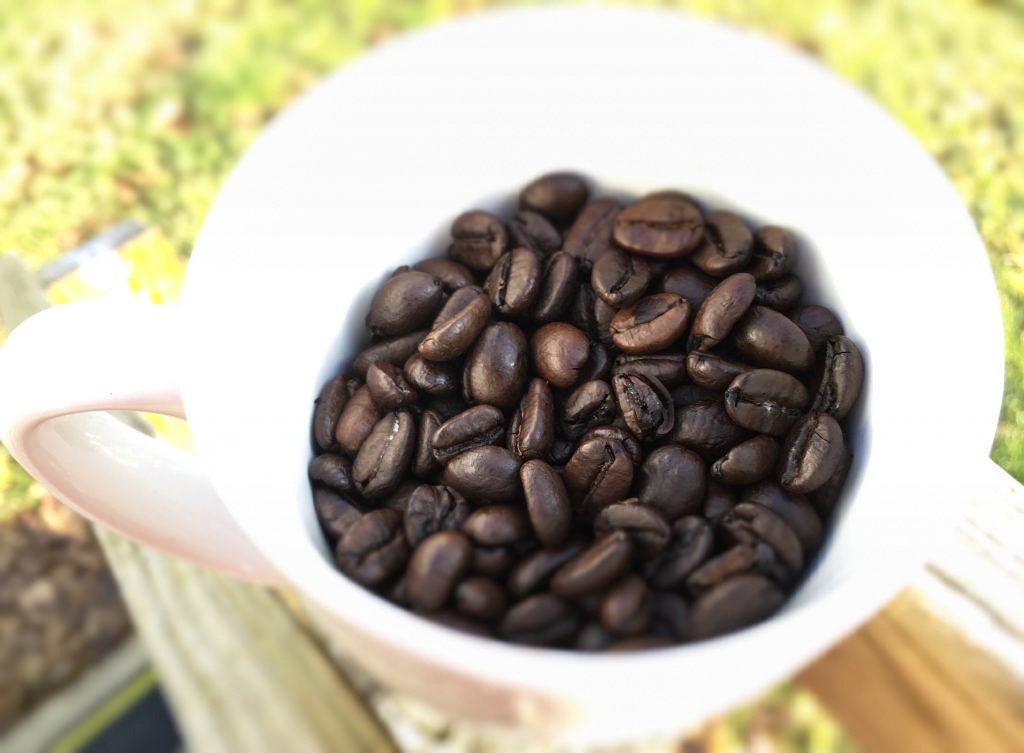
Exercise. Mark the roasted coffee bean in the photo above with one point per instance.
(356, 422)
(385, 455)
(599, 473)
(432, 509)
(458, 326)
(781, 294)
(496, 369)
(673, 480)
(581, 313)
(688, 394)
(764, 337)
(485, 475)
(736, 560)
(721, 310)
(604, 312)
(840, 379)
(388, 387)
(718, 501)
(515, 282)
(628, 607)
(645, 404)
(396, 350)
(451, 274)
(481, 599)
(475, 427)
(493, 561)
(598, 365)
(817, 322)
(335, 513)
(736, 603)
(435, 568)
(811, 453)
(451, 619)
(478, 239)
(532, 231)
(651, 324)
(593, 637)
(826, 497)
(705, 428)
(556, 195)
(688, 283)
(671, 616)
(590, 234)
(534, 571)
(597, 567)
(620, 278)
(646, 526)
(664, 226)
(639, 643)
(727, 245)
(748, 524)
(547, 502)
(497, 525)
(447, 407)
(774, 253)
(558, 287)
(690, 545)
(404, 303)
(373, 550)
(619, 434)
(792, 508)
(333, 471)
(589, 405)
(532, 429)
(433, 378)
(667, 368)
(561, 450)
(713, 371)
(559, 352)
(329, 406)
(541, 620)
(748, 462)
(398, 498)
(766, 401)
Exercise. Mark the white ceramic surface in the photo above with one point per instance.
(363, 174)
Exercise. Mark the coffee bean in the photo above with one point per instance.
(713, 371)
(559, 352)
(628, 607)
(373, 550)
(356, 421)
(557, 288)
(404, 303)
(817, 322)
(478, 239)
(673, 480)
(435, 568)
(736, 560)
(811, 453)
(691, 543)
(647, 527)
(547, 502)
(826, 497)
(589, 405)
(447, 407)
(665, 226)
(497, 525)
(475, 427)
(388, 387)
(485, 475)
(727, 244)
(433, 378)
(688, 283)
(458, 326)
(532, 429)
(582, 311)
(329, 406)
(590, 234)
(515, 282)
(451, 619)
(620, 278)
(651, 324)
(618, 434)
(556, 195)
(747, 524)
(671, 617)
(840, 378)
(541, 620)
(432, 509)
(532, 231)
(748, 462)
(396, 350)
(645, 404)
(639, 643)
(496, 369)
(774, 253)
(493, 561)
(598, 365)
(705, 428)
(398, 498)
(766, 401)
(604, 312)
(385, 455)
(688, 394)
(593, 637)
(333, 471)
(667, 368)
(451, 274)
(792, 508)
(599, 473)
(534, 571)
(781, 294)
(736, 603)
(335, 513)
(767, 338)
(718, 501)
(721, 310)
(561, 451)
(481, 599)
(597, 567)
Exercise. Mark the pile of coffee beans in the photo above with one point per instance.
(593, 425)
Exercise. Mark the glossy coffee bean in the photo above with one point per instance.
(667, 368)
(597, 567)
(645, 404)
(774, 253)
(373, 550)
(673, 480)
(447, 407)
(688, 283)
(792, 508)
(620, 278)
(827, 496)
(840, 378)
(335, 513)
(748, 462)
(481, 599)
(599, 473)
(718, 500)
(532, 231)
(734, 604)
(547, 502)
(663, 226)
(478, 239)
(747, 524)
(648, 529)
(432, 378)
(485, 475)
(534, 571)
(604, 312)
(497, 525)
(496, 368)
(475, 427)
(559, 352)
(435, 568)
(329, 405)
(557, 289)
(781, 294)
(388, 387)
(385, 456)
(811, 453)
(333, 471)
(712, 371)
(542, 620)
(593, 637)
(736, 560)
(817, 322)
(721, 310)
(706, 428)
(766, 401)
(531, 431)
(765, 337)
(405, 302)
(590, 234)
(628, 607)
(581, 313)
(671, 616)
(557, 195)
(458, 326)
(689, 546)
(651, 324)
(726, 247)
(493, 561)
(451, 274)
(612, 432)
(398, 498)
(561, 450)
(598, 365)
(589, 405)
(424, 465)
(432, 509)
(515, 282)
(688, 394)
(395, 350)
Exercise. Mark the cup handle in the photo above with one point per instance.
(58, 371)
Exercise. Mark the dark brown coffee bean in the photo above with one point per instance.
(792, 508)
(705, 428)
(535, 570)
(475, 427)
(598, 365)
(531, 230)
(646, 526)
(432, 509)
(388, 387)
(671, 617)
(774, 253)
(840, 378)
(496, 369)
(673, 480)
(435, 568)
(765, 337)
(581, 313)
(493, 561)
(398, 499)
(481, 599)
(532, 429)
(597, 567)
(373, 550)
(458, 326)
(628, 607)
(333, 471)
(451, 274)
(385, 456)
(766, 401)
(690, 545)
(619, 434)
(817, 322)
(713, 371)
(561, 451)
(559, 352)
(667, 368)
(556, 195)
(557, 288)
(639, 643)
(497, 525)
(451, 619)
(620, 278)
(590, 234)
(396, 350)
(591, 404)
(718, 501)
(748, 524)
(604, 312)
(727, 244)
(447, 407)
(651, 324)
(335, 513)
(781, 294)
(748, 462)
(721, 310)
(811, 453)
(329, 406)
(356, 422)
(434, 378)
(645, 404)
(404, 303)
(478, 239)
(593, 637)
(547, 502)
(541, 620)
(515, 282)
(826, 497)
(736, 603)
(688, 394)
(485, 475)
(736, 560)
(665, 226)
(688, 283)
(599, 473)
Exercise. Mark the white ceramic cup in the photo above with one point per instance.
(365, 172)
